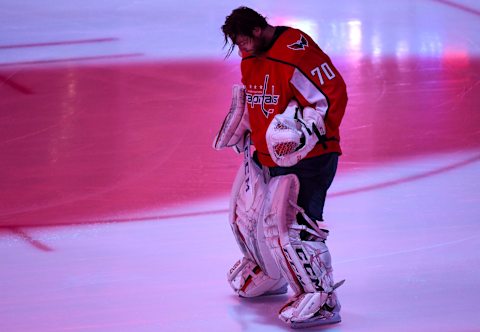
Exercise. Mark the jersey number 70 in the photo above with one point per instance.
(327, 72)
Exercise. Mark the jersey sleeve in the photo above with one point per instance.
(308, 94)
(318, 84)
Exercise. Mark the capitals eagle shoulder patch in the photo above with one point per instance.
(299, 45)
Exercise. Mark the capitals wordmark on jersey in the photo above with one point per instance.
(262, 98)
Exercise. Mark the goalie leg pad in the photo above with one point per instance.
(257, 273)
(305, 264)
(278, 216)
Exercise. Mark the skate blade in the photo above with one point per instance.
(316, 322)
(280, 291)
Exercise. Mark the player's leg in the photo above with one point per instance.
(315, 175)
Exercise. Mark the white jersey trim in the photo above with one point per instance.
(310, 92)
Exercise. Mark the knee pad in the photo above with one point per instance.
(305, 264)
(257, 272)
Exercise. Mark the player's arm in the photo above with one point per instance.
(314, 106)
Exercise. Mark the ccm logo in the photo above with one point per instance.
(306, 267)
(237, 264)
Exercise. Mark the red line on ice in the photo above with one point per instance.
(87, 58)
(20, 88)
(459, 6)
(60, 43)
(27, 238)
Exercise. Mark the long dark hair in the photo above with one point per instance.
(241, 21)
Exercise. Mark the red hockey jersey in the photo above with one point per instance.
(294, 67)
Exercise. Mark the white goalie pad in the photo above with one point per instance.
(278, 218)
(235, 124)
(293, 134)
(305, 264)
(257, 274)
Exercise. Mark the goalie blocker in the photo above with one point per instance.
(235, 124)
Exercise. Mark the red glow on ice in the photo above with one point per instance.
(81, 142)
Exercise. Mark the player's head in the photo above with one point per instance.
(244, 27)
